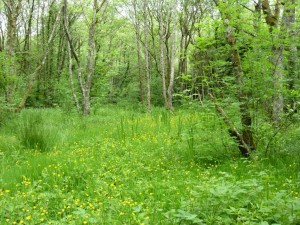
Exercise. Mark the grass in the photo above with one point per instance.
(126, 167)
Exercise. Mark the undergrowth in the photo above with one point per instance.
(129, 167)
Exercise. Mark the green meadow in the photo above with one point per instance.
(125, 166)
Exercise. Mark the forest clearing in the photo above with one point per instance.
(149, 112)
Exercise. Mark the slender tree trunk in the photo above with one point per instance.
(85, 82)
(188, 16)
(48, 75)
(12, 8)
(172, 62)
(272, 19)
(2, 38)
(91, 62)
(71, 79)
(182, 66)
(138, 45)
(288, 23)
(25, 57)
(278, 76)
(162, 34)
(147, 62)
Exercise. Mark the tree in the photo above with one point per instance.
(85, 74)
(245, 136)
(137, 27)
(191, 12)
(272, 19)
(289, 30)
(12, 11)
(146, 53)
(33, 76)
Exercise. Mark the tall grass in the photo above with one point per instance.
(39, 130)
(130, 167)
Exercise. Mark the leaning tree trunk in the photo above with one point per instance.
(245, 136)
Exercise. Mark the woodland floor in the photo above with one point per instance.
(128, 167)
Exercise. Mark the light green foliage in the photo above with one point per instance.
(6, 77)
(125, 167)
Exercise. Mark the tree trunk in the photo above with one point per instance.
(288, 22)
(247, 134)
(188, 16)
(12, 8)
(25, 57)
(86, 103)
(162, 34)
(85, 82)
(138, 45)
(172, 62)
(272, 19)
(73, 92)
(91, 62)
(148, 76)
(2, 38)
(245, 139)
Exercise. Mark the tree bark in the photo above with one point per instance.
(272, 19)
(147, 63)
(172, 61)
(162, 36)
(73, 92)
(288, 23)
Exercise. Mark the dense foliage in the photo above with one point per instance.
(149, 112)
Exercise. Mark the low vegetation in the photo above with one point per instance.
(123, 166)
